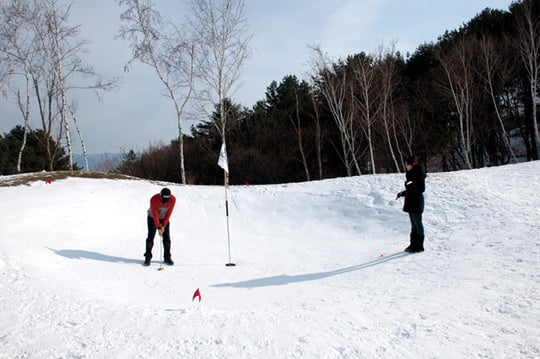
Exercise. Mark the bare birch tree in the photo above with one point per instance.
(44, 88)
(297, 126)
(458, 85)
(43, 49)
(168, 50)
(55, 21)
(495, 63)
(318, 132)
(222, 39)
(62, 46)
(336, 88)
(528, 25)
(367, 99)
(405, 128)
(17, 48)
(388, 74)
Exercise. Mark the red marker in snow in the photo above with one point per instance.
(196, 294)
(382, 255)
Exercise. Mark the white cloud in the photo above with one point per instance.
(347, 29)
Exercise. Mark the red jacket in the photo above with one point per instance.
(159, 211)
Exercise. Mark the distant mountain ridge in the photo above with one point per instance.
(99, 162)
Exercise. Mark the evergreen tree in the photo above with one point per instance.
(34, 156)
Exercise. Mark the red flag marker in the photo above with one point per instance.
(49, 180)
(196, 294)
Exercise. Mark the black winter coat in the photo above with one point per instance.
(415, 185)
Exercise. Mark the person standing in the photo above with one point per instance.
(159, 213)
(414, 202)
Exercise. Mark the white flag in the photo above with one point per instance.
(222, 162)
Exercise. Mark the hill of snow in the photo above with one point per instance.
(320, 270)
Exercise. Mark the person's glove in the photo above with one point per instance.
(401, 194)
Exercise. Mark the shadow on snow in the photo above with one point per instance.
(288, 279)
(81, 254)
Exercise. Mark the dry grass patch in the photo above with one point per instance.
(28, 178)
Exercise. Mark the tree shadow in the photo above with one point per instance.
(82, 254)
(288, 279)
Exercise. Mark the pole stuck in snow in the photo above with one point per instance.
(223, 163)
(229, 264)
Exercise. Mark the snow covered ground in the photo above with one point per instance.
(320, 270)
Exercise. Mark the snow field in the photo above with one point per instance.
(320, 270)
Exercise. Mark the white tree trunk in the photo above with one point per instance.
(83, 145)
(25, 110)
(529, 30)
(491, 59)
(458, 78)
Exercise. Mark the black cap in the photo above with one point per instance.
(411, 160)
(165, 195)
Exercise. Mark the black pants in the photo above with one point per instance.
(150, 240)
(417, 233)
(417, 228)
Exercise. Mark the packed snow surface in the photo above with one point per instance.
(320, 270)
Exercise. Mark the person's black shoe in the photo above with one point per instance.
(169, 262)
(146, 262)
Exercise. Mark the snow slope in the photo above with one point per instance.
(320, 270)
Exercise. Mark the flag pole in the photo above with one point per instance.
(223, 163)
(226, 184)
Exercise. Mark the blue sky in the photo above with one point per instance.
(137, 115)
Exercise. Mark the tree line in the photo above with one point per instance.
(40, 70)
(467, 100)
(40, 63)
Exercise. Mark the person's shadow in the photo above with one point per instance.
(288, 279)
(82, 254)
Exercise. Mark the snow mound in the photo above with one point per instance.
(320, 271)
